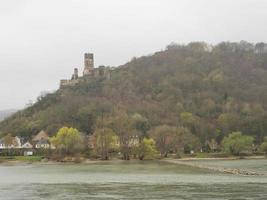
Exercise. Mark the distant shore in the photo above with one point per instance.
(36, 159)
(181, 161)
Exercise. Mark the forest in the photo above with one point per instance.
(201, 91)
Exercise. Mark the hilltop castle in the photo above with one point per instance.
(89, 71)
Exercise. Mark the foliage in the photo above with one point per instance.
(263, 146)
(147, 149)
(141, 125)
(237, 143)
(173, 139)
(164, 137)
(209, 90)
(106, 140)
(9, 140)
(68, 141)
(122, 125)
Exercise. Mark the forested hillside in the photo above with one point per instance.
(212, 91)
(5, 113)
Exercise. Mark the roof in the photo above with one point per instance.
(27, 145)
(41, 135)
(43, 141)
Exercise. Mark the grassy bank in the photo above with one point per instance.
(21, 158)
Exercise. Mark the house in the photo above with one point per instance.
(134, 141)
(16, 142)
(41, 135)
(41, 141)
(2, 144)
(27, 145)
(91, 141)
(9, 142)
(42, 144)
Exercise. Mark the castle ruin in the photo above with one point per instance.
(88, 64)
(88, 72)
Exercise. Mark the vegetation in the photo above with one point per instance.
(22, 158)
(68, 141)
(146, 149)
(106, 141)
(184, 98)
(237, 143)
(264, 146)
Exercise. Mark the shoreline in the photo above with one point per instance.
(224, 158)
(221, 169)
(4, 160)
(181, 161)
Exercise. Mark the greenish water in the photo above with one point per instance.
(127, 180)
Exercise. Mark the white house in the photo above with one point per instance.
(2, 144)
(42, 144)
(41, 141)
(27, 145)
(16, 143)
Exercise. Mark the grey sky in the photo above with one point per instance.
(41, 41)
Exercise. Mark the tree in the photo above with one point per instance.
(185, 141)
(68, 141)
(227, 122)
(189, 120)
(263, 146)
(86, 119)
(9, 141)
(164, 136)
(237, 143)
(195, 86)
(121, 123)
(105, 141)
(141, 125)
(146, 149)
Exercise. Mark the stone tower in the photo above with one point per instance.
(75, 76)
(88, 64)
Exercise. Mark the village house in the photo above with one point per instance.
(27, 145)
(41, 141)
(10, 143)
(2, 144)
(42, 144)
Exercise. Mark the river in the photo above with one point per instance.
(130, 180)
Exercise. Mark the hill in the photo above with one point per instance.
(211, 90)
(6, 113)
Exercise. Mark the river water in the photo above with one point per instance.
(130, 180)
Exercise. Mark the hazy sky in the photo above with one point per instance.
(41, 41)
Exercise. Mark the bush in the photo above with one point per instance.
(263, 146)
(236, 143)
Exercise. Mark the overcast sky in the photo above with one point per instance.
(41, 41)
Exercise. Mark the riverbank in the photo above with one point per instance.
(191, 162)
(221, 169)
(68, 159)
(222, 158)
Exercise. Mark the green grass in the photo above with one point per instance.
(22, 158)
(202, 155)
